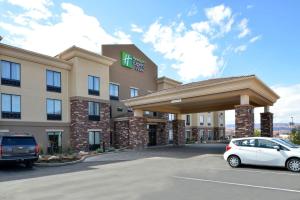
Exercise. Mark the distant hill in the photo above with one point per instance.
(276, 126)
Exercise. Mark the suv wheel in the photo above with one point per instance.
(28, 164)
(293, 164)
(234, 161)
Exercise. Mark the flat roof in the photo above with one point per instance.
(208, 95)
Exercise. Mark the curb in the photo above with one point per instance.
(76, 161)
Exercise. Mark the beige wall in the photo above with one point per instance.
(33, 91)
(215, 121)
(82, 68)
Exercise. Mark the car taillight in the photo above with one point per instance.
(228, 147)
(37, 149)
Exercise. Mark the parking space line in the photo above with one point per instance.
(237, 184)
(257, 171)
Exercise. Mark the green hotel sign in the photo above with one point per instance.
(129, 61)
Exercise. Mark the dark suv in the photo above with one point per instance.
(18, 148)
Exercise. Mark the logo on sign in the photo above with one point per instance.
(129, 61)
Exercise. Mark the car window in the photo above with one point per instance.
(266, 144)
(18, 141)
(245, 143)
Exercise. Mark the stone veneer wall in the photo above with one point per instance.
(244, 121)
(80, 124)
(162, 133)
(138, 134)
(121, 133)
(178, 132)
(266, 124)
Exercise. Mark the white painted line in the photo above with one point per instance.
(237, 184)
(256, 171)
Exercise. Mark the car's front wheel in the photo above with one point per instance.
(234, 161)
(28, 164)
(293, 164)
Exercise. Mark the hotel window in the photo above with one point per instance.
(53, 109)
(188, 120)
(171, 117)
(54, 142)
(134, 92)
(53, 81)
(11, 106)
(188, 135)
(94, 85)
(221, 119)
(10, 73)
(114, 91)
(94, 111)
(201, 120)
(94, 140)
(208, 119)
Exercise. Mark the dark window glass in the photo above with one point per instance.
(10, 73)
(11, 106)
(114, 91)
(94, 85)
(94, 111)
(134, 92)
(266, 144)
(53, 81)
(245, 143)
(10, 141)
(94, 140)
(188, 120)
(54, 109)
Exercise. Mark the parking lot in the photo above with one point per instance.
(191, 172)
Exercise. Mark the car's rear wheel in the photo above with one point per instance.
(234, 161)
(293, 164)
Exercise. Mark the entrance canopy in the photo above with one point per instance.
(207, 96)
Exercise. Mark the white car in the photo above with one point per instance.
(263, 151)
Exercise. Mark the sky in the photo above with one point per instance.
(189, 40)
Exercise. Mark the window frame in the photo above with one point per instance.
(188, 120)
(54, 116)
(11, 114)
(135, 91)
(10, 81)
(113, 97)
(93, 116)
(93, 146)
(201, 121)
(93, 91)
(53, 88)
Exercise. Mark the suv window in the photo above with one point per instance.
(11, 141)
(245, 143)
(266, 144)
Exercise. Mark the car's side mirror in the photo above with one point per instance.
(277, 148)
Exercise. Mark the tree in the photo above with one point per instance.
(295, 136)
(257, 133)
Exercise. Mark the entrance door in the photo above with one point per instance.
(54, 140)
(152, 135)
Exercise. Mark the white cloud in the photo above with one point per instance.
(254, 39)
(193, 11)
(73, 27)
(136, 28)
(249, 6)
(218, 14)
(34, 9)
(192, 51)
(243, 26)
(288, 104)
(240, 49)
(191, 47)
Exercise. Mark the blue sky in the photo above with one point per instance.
(188, 40)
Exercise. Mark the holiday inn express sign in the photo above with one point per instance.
(129, 61)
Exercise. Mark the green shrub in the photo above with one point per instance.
(295, 136)
(100, 150)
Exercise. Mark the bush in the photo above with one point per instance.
(257, 133)
(100, 150)
(295, 136)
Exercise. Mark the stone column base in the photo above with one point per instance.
(266, 124)
(244, 121)
(178, 132)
